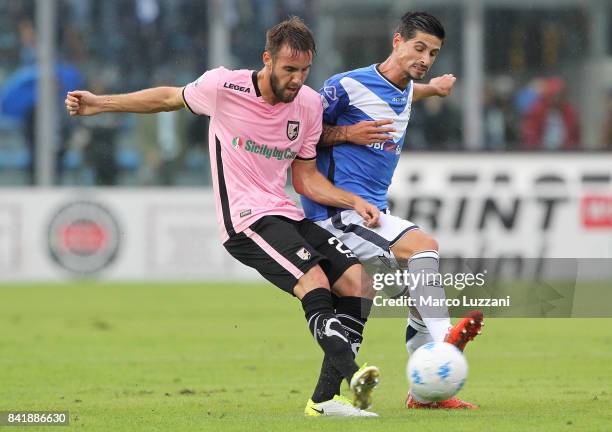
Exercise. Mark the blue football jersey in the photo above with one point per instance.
(348, 98)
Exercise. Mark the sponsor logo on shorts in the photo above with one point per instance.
(303, 254)
(245, 213)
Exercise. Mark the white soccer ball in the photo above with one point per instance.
(436, 371)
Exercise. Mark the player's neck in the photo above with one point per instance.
(263, 82)
(393, 73)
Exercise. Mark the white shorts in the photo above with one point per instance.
(367, 243)
(371, 245)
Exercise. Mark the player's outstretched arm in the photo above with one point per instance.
(308, 181)
(153, 100)
(364, 133)
(438, 86)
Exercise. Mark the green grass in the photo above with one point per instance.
(239, 357)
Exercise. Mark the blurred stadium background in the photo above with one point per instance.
(516, 162)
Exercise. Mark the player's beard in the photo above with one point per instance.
(416, 78)
(278, 91)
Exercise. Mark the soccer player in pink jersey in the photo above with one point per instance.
(262, 123)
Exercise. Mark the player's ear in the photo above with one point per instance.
(397, 39)
(267, 59)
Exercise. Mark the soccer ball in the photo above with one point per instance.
(436, 371)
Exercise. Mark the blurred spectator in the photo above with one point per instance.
(27, 41)
(197, 132)
(29, 131)
(161, 145)
(75, 49)
(98, 135)
(500, 118)
(169, 147)
(434, 125)
(148, 19)
(551, 123)
(441, 125)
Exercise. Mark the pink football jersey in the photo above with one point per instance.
(252, 144)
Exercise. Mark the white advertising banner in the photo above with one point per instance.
(475, 205)
(509, 205)
(113, 234)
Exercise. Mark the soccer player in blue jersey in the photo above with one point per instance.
(366, 112)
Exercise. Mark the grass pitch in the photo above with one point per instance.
(230, 357)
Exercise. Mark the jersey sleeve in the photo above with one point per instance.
(200, 96)
(335, 100)
(313, 133)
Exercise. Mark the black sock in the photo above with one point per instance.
(353, 314)
(328, 331)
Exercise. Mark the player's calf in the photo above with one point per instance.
(328, 331)
(352, 312)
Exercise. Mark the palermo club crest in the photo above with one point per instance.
(293, 129)
(304, 254)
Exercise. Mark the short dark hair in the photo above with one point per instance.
(292, 32)
(412, 22)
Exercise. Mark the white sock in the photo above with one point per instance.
(438, 327)
(426, 264)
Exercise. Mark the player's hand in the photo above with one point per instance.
(82, 103)
(369, 132)
(443, 85)
(369, 213)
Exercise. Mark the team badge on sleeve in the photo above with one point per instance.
(293, 129)
(330, 92)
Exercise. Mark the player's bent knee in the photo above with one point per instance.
(412, 243)
(428, 243)
(312, 279)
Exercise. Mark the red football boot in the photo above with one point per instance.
(452, 403)
(465, 330)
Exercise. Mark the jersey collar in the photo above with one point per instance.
(375, 66)
(255, 85)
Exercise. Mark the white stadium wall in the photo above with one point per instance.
(476, 205)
